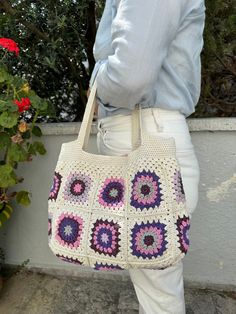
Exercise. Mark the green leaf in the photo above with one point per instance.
(4, 76)
(22, 198)
(4, 140)
(35, 100)
(8, 119)
(44, 107)
(39, 147)
(26, 135)
(17, 153)
(37, 131)
(7, 176)
(51, 111)
(17, 81)
(31, 149)
(8, 105)
(5, 213)
(38, 103)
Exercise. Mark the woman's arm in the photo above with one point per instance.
(141, 34)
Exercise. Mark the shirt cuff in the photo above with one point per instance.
(95, 71)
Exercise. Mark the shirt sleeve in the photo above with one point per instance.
(141, 34)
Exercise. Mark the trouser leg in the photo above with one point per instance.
(160, 291)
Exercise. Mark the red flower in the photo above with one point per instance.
(10, 45)
(23, 105)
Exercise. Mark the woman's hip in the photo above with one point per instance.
(115, 138)
(115, 131)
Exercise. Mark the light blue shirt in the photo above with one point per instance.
(148, 52)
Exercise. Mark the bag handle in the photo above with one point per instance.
(86, 124)
(138, 131)
(137, 128)
(85, 129)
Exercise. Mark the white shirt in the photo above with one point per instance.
(148, 52)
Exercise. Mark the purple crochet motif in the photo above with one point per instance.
(55, 186)
(112, 193)
(183, 225)
(69, 259)
(69, 230)
(105, 237)
(148, 239)
(146, 190)
(49, 227)
(101, 266)
(178, 187)
(77, 187)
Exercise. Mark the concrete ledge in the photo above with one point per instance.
(212, 252)
(212, 124)
(195, 125)
(85, 272)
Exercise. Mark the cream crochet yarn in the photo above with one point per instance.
(118, 212)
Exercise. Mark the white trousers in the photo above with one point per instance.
(158, 291)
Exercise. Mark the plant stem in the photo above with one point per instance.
(34, 119)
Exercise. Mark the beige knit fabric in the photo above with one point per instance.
(118, 212)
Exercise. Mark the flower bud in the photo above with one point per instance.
(17, 138)
(26, 88)
(23, 127)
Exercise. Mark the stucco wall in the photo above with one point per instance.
(212, 256)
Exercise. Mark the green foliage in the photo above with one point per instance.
(38, 147)
(23, 198)
(7, 177)
(58, 36)
(5, 213)
(5, 140)
(17, 153)
(16, 135)
(8, 119)
(36, 131)
(218, 96)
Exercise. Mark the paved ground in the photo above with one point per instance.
(33, 293)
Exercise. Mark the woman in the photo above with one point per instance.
(148, 52)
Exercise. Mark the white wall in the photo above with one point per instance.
(212, 255)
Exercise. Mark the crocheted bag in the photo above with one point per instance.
(118, 212)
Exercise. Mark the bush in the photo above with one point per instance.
(16, 136)
(58, 37)
(218, 94)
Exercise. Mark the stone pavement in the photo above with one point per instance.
(35, 293)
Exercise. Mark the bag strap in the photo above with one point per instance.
(86, 124)
(137, 128)
(85, 128)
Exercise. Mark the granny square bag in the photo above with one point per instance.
(118, 212)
